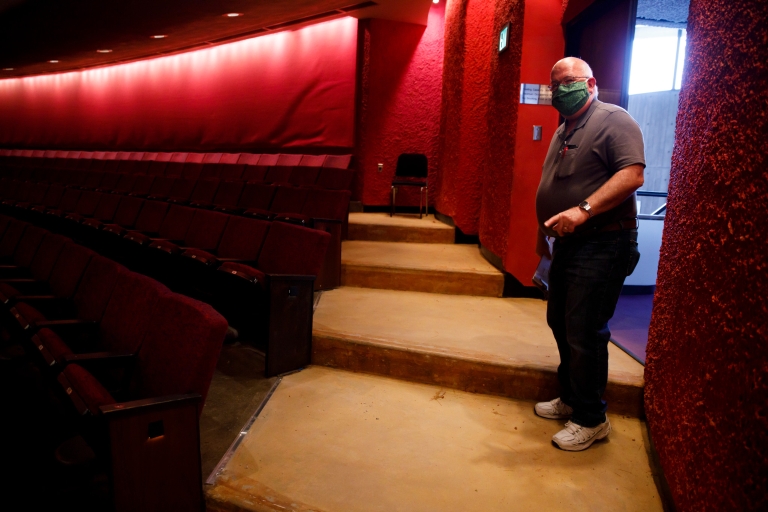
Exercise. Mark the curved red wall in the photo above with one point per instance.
(290, 89)
(707, 365)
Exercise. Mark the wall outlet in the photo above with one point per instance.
(380, 167)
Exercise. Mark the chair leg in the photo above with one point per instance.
(421, 200)
(426, 200)
(392, 203)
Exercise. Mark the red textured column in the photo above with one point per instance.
(707, 365)
(501, 121)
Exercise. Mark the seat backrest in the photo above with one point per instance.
(143, 184)
(69, 199)
(312, 160)
(411, 165)
(47, 255)
(157, 167)
(110, 179)
(289, 200)
(176, 222)
(291, 249)
(210, 171)
(255, 173)
(162, 186)
(69, 268)
(192, 170)
(88, 202)
(228, 193)
(335, 179)
(126, 182)
(151, 216)
(178, 354)
(93, 179)
(11, 237)
(173, 169)
(182, 188)
(257, 195)
(53, 196)
(205, 190)
(338, 161)
(205, 229)
(96, 287)
(129, 311)
(302, 176)
(105, 210)
(37, 194)
(231, 172)
(327, 204)
(28, 245)
(243, 238)
(128, 211)
(4, 221)
(278, 174)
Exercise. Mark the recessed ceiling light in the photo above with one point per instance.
(158, 36)
(435, 1)
(53, 61)
(233, 14)
(104, 51)
(7, 69)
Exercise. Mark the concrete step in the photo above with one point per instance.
(478, 344)
(434, 268)
(337, 441)
(380, 227)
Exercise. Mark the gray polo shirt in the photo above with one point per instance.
(606, 139)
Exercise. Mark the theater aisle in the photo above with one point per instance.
(421, 397)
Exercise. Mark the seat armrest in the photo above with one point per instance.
(111, 359)
(150, 405)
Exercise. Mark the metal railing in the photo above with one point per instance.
(658, 213)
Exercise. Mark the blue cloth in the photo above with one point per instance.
(585, 281)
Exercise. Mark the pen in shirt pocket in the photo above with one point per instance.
(565, 149)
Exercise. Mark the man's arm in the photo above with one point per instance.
(610, 195)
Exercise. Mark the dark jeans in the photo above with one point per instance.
(585, 281)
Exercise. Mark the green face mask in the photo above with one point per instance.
(568, 99)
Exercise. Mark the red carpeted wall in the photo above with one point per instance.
(706, 391)
(290, 89)
(399, 110)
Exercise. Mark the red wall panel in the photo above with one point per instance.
(400, 102)
(706, 373)
(290, 89)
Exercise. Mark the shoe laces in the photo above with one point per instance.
(579, 433)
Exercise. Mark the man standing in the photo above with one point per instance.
(586, 200)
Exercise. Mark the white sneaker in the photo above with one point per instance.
(554, 409)
(575, 438)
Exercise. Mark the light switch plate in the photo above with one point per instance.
(536, 132)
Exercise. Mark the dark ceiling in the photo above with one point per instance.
(35, 32)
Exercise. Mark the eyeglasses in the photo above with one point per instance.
(566, 81)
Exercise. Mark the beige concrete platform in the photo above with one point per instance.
(478, 344)
(336, 441)
(399, 228)
(434, 268)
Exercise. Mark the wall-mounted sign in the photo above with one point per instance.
(535, 94)
(504, 38)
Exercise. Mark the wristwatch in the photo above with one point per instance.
(584, 205)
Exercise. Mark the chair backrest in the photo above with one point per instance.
(182, 188)
(151, 216)
(69, 268)
(210, 171)
(327, 204)
(304, 176)
(411, 165)
(331, 178)
(338, 161)
(192, 170)
(178, 354)
(143, 184)
(11, 237)
(47, 255)
(205, 229)
(291, 249)
(228, 193)
(279, 174)
(105, 210)
(255, 173)
(289, 200)
(96, 287)
(243, 238)
(176, 222)
(88, 202)
(69, 199)
(205, 190)
(126, 182)
(127, 211)
(28, 246)
(53, 196)
(257, 195)
(231, 171)
(173, 169)
(162, 186)
(129, 311)
(110, 179)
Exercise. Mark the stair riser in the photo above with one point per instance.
(453, 283)
(476, 377)
(376, 233)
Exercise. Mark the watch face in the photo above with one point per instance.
(584, 205)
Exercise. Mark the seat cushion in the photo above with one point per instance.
(87, 388)
(53, 344)
(7, 292)
(27, 315)
(138, 238)
(200, 255)
(165, 246)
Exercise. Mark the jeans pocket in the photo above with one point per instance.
(634, 257)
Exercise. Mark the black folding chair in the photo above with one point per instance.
(411, 171)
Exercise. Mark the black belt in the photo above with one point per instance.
(617, 225)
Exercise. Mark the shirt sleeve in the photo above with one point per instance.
(623, 142)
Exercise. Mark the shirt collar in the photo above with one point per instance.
(582, 120)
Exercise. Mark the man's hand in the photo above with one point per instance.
(565, 222)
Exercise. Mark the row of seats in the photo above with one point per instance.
(133, 359)
(260, 274)
(322, 209)
(135, 177)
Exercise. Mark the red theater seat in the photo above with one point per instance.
(39, 270)
(304, 176)
(335, 179)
